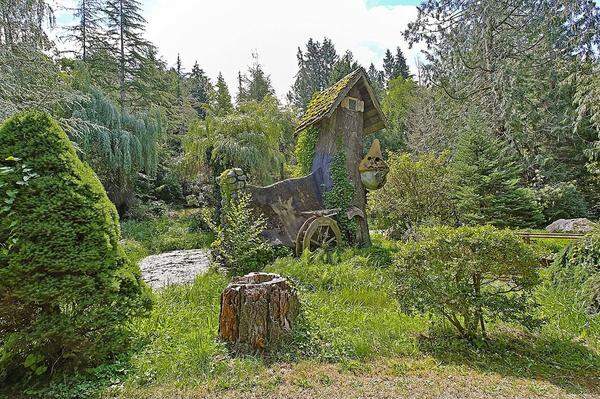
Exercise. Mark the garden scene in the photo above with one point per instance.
(420, 220)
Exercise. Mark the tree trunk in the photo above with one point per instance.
(257, 312)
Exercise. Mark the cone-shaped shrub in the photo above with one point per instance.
(66, 288)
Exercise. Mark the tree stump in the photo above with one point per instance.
(257, 311)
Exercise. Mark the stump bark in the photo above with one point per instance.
(258, 312)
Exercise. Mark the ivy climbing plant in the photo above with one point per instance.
(341, 195)
(305, 150)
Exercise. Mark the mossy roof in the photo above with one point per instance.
(325, 102)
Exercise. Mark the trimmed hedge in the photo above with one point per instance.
(66, 289)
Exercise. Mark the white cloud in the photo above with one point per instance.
(222, 34)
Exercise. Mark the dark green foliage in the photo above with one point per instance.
(305, 150)
(468, 275)
(562, 201)
(222, 103)
(256, 85)
(342, 67)
(200, 90)
(395, 66)
(341, 196)
(66, 289)
(239, 246)
(314, 68)
(488, 185)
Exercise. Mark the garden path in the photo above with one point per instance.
(176, 267)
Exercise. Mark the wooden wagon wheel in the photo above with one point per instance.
(318, 232)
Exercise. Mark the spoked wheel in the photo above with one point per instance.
(318, 232)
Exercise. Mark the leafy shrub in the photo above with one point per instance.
(239, 246)
(467, 275)
(66, 289)
(417, 192)
(562, 201)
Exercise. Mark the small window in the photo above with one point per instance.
(352, 104)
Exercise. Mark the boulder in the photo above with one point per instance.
(579, 225)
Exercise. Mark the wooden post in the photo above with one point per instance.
(258, 312)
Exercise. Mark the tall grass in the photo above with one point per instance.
(154, 236)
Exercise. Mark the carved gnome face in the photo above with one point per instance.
(373, 170)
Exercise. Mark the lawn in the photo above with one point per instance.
(352, 337)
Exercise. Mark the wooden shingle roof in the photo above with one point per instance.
(324, 103)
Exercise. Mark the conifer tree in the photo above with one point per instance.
(125, 29)
(314, 70)
(200, 90)
(395, 66)
(377, 79)
(256, 85)
(87, 32)
(222, 103)
(488, 182)
(343, 67)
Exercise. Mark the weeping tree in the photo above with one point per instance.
(254, 137)
(23, 22)
(117, 145)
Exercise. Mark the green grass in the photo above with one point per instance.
(350, 317)
(154, 236)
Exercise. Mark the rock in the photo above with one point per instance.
(176, 267)
(258, 312)
(579, 225)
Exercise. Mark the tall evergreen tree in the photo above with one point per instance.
(87, 32)
(395, 66)
(256, 85)
(200, 90)
(377, 79)
(343, 67)
(222, 104)
(488, 182)
(314, 70)
(125, 33)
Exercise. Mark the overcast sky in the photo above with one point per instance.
(222, 35)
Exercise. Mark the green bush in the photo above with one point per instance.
(67, 291)
(468, 275)
(417, 192)
(239, 245)
(562, 201)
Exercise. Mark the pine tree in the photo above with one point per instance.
(200, 90)
(87, 33)
(343, 67)
(395, 66)
(401, 65)
(256, 85)
(222, 103)
(376, 77)
(488, 182)
(125, 29)
(314, 70)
